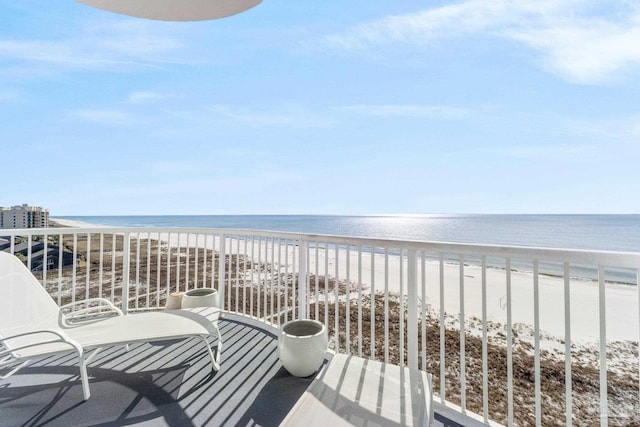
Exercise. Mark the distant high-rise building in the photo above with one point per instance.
(24, 216)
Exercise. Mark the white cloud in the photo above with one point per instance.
(256, 182)
(416, 111)
(578, 39)
(134, 38)
(587, 51)
(550, 153)
(291, 117)
(109, 117)
(171, 167)
(60, 53)
(9, 96)
(449, 21)
(140, 97)
(103, 45)
(624, 128)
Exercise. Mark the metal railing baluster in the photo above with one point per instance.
(45, 259)
(196, 261)
(75, 266)
(88, 257)
(101, 265)
(401, 303)
(113, 266)
(178, 260)
(567, 346)
(294, 286)
(463, 373)
(347, 303)
(187, 263)
(485, 357)
(359, 301)
(423, 307)
(443, 389)
(509, 346)
(126, 264)
(602, 312)
(256, 285)
(137, 284)
(303, 276)
(29, 245)
(279, 280)
(317, 280)
(336, 303)
(536, 335)
(412, 309)
(286, 280)
(158, 268)
(386, 305)
(372, 304)
(148, 282)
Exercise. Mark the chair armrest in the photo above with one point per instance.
(86, 310)
(9, 355)
(59, 336)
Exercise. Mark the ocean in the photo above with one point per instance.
(591, 232)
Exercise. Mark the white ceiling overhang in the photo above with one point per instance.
(174, 10)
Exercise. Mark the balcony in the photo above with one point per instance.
(512, 335)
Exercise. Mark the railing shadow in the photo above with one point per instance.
(275, 400)
(131, 398)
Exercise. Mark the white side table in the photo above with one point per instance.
(352, 391)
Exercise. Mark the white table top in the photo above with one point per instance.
(351, 391)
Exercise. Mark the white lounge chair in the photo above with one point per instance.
(32, 324)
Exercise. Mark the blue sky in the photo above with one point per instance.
(323, 107)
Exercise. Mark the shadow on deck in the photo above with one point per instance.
(168, 383)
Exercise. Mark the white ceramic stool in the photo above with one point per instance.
(200, 297)
(302, 345)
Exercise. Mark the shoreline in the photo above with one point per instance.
(68, 223)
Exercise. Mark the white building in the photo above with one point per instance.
(24, 216)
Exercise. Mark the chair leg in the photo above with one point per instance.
(14, 370)
(218, 350)
(92, 355)
(84, 377)
(215, 360)
(218, 353)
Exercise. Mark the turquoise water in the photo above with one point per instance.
(596, 232)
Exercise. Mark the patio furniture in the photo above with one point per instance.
(32, 324)
(352, 391)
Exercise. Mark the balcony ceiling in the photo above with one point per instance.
(174, 10)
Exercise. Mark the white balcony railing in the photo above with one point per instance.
(512, 335)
